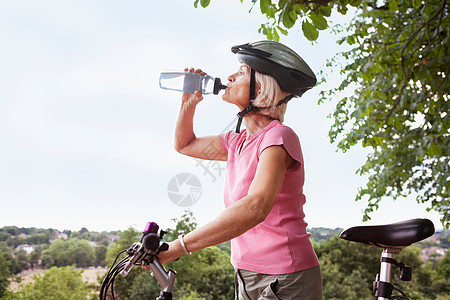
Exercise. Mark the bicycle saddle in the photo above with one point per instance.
(393, 235)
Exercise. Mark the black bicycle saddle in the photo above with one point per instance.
(393, 235)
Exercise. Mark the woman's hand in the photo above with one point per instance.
(174, 252)
(197, 96)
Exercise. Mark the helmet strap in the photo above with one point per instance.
(251, 107)
(241, 115)
(252, 84)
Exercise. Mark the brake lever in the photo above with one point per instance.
(162, 248)
(137, 253)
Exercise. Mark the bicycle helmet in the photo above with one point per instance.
(279, 61)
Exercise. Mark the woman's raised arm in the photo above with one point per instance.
(186, 142)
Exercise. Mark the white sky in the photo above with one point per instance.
(86, 134)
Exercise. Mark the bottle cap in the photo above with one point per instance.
(218, 86)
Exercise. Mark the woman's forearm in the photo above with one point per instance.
(184, 129)
(232, 222)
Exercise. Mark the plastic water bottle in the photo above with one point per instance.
(189, 82)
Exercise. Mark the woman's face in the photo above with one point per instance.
(238, 87)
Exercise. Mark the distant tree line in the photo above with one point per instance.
(14, 236)
(77, 250)
(348, 269)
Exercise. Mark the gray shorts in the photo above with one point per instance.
(305, 285)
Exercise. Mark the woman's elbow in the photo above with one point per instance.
(259, 217)
(178, 148)
(260, 212)
(181, 146)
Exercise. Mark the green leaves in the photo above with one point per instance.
(267, 8)
(289, 18)
(325, 10)
(319, 21)
(399, 106)
(416, 4)
(310, 32)
(283, 15)
(393, 5)
(55, 283)
(203, 3)
(434, 150)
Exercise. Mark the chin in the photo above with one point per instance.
(225, 98)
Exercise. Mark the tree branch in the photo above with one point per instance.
(410, 39)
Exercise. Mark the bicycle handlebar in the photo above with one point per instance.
(143, 253)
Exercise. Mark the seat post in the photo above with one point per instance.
(384, 286)
(385, 269)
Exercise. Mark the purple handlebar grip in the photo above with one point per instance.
(151, 227)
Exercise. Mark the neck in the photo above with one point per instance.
(254, 122)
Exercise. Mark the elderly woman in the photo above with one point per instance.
(264, 198)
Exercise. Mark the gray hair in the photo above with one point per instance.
(268, 95)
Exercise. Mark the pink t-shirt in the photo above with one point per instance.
(280, 244)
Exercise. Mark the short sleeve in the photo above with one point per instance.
(285, 136)
(226, 138)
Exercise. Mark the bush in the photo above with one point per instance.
(53, 284)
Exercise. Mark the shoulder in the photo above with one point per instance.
(282, 135)
(229, 138)
(280, 132)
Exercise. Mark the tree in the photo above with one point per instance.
(40, 238)
(22, 259)
(5, 273)
(33, 259)
(4, 236)
(12, 230)
(444, 266)
(6, 254)
(100, 255)
(53, 284)
(396, 78)
(183, 225)
(69, 252)
(84, 254)
(400, 104)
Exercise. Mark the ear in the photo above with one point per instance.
(257, 89)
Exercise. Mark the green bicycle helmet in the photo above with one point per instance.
(279, 61)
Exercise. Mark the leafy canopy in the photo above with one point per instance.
(53, 284)
(394, 95)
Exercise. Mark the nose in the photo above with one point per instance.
(231, 78)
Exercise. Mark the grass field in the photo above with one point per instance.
(89, 275)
